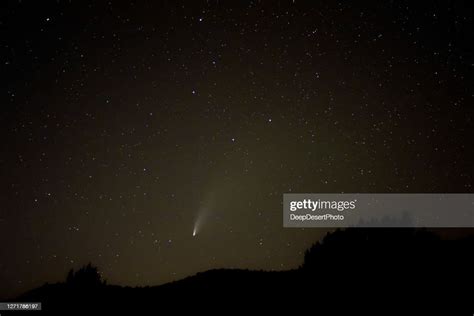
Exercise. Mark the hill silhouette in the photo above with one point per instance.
(352, 268)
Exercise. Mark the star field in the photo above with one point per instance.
(122, 123)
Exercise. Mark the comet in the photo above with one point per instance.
(196, 227)
(203, 213)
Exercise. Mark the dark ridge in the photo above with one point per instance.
(355, 267)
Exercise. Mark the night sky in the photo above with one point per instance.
(126, 127)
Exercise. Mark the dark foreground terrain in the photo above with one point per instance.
(388, 270)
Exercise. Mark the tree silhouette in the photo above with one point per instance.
(86, 277)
